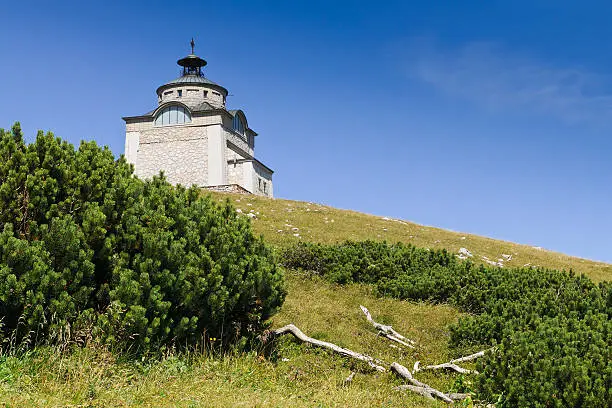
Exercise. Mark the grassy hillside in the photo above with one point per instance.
(299, 376)
(283, 222)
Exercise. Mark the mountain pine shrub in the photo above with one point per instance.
(85, 247)
(552, 330)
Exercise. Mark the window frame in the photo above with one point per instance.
(172, 115)
(239, 126)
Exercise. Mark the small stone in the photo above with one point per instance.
(465, 252)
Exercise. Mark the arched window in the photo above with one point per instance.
(173, 115)
(238, 125)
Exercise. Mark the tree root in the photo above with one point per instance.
(416, 385)
(298, 334)
(451, 364)
(387, 331)
(349, 379)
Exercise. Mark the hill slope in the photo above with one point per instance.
(297, 375)
(283, 222)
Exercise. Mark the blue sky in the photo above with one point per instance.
(479, 116)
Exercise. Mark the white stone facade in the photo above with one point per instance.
(198, 141)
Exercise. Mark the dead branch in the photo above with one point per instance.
(419, 387)
(298, 334)
(451, 364)
(455, 396)
(470, 357)
(419, 390)
(349, 379)
(387, 331)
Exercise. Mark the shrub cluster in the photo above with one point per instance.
(552, 330)
(87, 247)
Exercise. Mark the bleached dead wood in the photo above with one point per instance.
(451, 364)
(417, 386)
(349, 379)
(387, 331)
(419, 390)
(470, 357)
(298, 334)
(455, 396)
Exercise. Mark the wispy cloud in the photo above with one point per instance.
(490, 76)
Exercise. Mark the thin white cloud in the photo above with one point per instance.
(496, 79)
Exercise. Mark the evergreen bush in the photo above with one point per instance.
(85, 246)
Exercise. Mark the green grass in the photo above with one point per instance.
(276, 220)
(299, 375)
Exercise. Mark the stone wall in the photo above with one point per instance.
(204, 152)
(262, 180)
(239, 142)
(235, 166)
(228, 188)
(192, 94)
(235, 173)
(181, 152)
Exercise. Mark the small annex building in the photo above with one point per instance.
(194, 139)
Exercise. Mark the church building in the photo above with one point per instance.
(194, 139)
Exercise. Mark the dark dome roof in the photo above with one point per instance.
(191, 61)
(192, 79)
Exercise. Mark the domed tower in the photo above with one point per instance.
(194, 139)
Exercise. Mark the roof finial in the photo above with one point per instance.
(192, 64)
